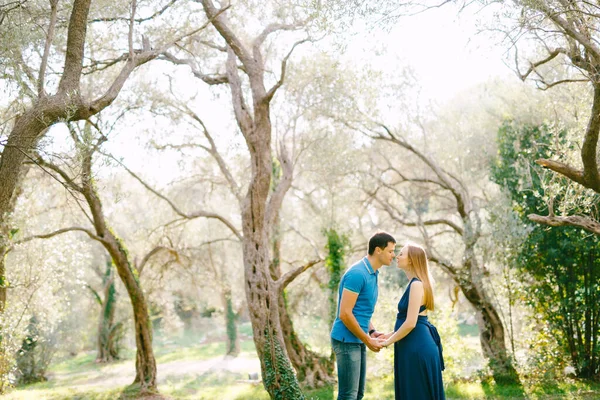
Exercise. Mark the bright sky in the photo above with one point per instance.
(446, 52)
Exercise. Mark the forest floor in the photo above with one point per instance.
(201, 372)
(183, 373)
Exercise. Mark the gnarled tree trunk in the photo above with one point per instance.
(232, 346)
(108, 331)
(145, 366)
(145, 362)
(312, 369)
(262, 292)
(23, 138)
(491, 328)
(3, 281)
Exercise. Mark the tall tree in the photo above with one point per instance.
(567, 31)
(561, 263)
(37, 109)
(312, 369)
(261, 204)
(87, 144)
(259, 208)
(109, 332)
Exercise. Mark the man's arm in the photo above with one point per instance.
(346, 306)
(375, 334)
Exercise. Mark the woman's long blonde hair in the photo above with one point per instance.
(418, 260)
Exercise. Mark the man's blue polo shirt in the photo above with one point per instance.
(361, 279)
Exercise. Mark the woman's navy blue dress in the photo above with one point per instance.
(418, 361)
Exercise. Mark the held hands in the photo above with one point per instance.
(374, 344)
(377, 340)
(384, 339)
(377, 334)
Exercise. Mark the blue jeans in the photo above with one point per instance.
(352, 369)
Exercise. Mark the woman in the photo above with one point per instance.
(418, 362)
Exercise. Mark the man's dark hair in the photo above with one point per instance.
(381, 240)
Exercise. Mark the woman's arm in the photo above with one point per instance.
(414, 303)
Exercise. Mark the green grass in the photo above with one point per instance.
(569, 389)
(68, 375)
(259, 393)
(43, 391)
(198, 352)
(87, 361)
(214, 386)
(74, 364)
(211, 385)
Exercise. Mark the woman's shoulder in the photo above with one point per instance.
(416, 283)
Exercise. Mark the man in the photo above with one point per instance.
(352, 330)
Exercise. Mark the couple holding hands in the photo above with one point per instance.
(418, 361)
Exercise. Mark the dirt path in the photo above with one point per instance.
(108, 377)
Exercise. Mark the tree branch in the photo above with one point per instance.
(446, 265)
(138, 20)
(274, 89)
(211, 79)
(274, 204)
(49, 39)
(559, 82)
(100, 65)
(222, 49)
(289, 276)
(586, 223)
(242, 114)
(77, 30)
(563, 169)
(438, 221)
(589, 147)
(568, 29)
(61, 231)
(214, 152)
(309, 240)
(180, 146)
(461, 200)
(152, 253)
(271, 28)
(111, 94)
(553, 54)
(131, 64)
(193, 215)
(70, 182)
(131, 26)
(8, 7)
(232, 40)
